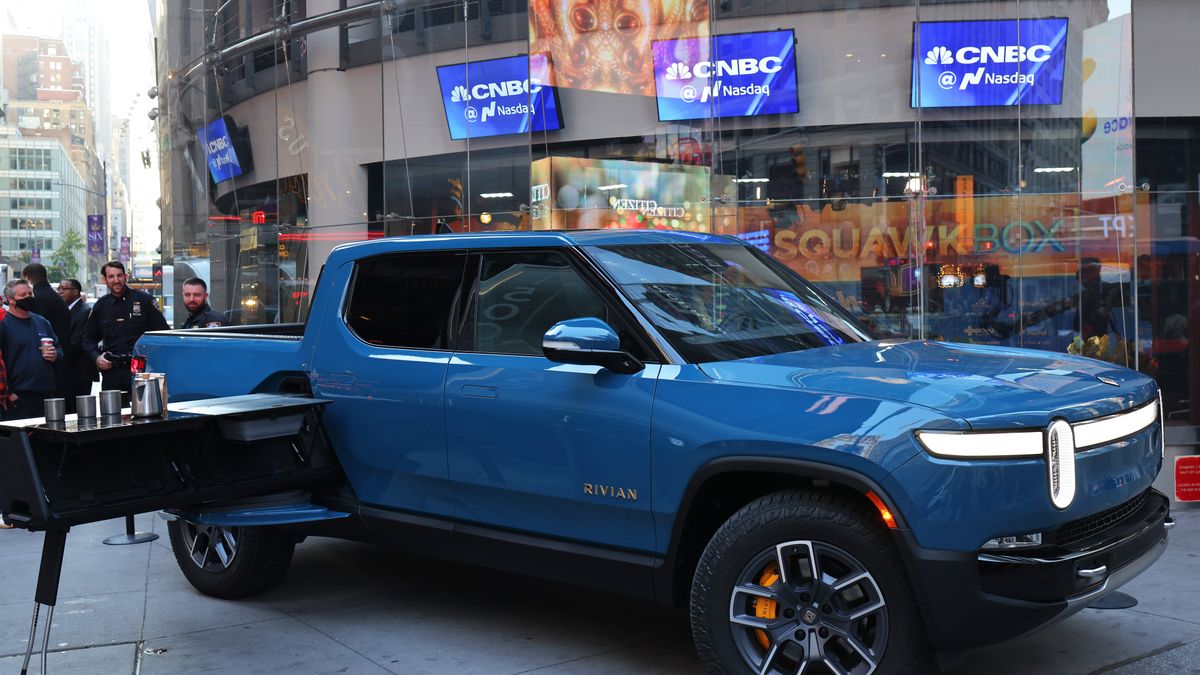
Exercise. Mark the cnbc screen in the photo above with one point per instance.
(510, 95)
(740, 75)
(219, 150)
(960, 64)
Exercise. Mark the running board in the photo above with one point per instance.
(260, 517)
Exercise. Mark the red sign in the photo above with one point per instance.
(1187, 478)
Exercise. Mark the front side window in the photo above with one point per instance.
(719, 302)
(405, 299)
(521, 294)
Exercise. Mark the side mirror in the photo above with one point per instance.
(590, 342)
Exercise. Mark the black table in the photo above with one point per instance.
(57, 474)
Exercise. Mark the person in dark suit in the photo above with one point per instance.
(48, 305)
(81, 371)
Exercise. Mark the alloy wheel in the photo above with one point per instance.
(211, 548)
(806, 607)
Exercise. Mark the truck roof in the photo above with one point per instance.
(519, 239)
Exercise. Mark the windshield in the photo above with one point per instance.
(719, 302)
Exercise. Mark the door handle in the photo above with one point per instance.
(477, 391)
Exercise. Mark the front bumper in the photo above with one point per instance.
(973, 599)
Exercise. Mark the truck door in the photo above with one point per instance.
(383, 363)
(538, 446)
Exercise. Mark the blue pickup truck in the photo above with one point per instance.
(677, 415)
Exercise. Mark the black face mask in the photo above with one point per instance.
(25, 304)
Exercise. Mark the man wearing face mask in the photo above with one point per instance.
(30, 349)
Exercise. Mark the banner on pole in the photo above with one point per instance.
(95, 234)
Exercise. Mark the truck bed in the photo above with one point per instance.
(211, 362)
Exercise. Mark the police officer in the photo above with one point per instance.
(115, 324)
(195, 298)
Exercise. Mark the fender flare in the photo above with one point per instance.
(665, 581)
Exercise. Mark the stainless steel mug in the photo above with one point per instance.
(149, 395)
(85, 406)
(110, 402)
(55, 409)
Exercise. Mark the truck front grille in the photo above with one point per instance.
(1078, 530)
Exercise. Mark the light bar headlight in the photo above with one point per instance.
(1032, 442)
(982, 444)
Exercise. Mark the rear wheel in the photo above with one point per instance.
(230, 562)
(805, 582)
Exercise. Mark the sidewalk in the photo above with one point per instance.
(351, 608)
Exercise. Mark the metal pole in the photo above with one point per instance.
(130, 536)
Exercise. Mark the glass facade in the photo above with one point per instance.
(944, 169)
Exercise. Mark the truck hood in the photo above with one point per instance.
(985, 387)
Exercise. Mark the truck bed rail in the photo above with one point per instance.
(262, 331)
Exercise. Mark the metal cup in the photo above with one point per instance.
(85, 406)
(110, 402)
(55, 409)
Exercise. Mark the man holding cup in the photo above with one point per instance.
(30, 349)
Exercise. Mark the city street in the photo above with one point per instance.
(351, 608)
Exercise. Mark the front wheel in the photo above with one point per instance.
(805, 582)
(230, 562)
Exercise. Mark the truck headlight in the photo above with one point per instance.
(983, 444)
(1014, 541)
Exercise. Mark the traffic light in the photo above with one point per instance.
(156, 270)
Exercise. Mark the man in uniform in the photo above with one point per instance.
(115, 324)
(195, 298)
(80, 369)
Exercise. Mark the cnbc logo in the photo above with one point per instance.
(970, 55)
(715, 70)
(493, 90)
(484, 91)
(679, 71)
(734, 67)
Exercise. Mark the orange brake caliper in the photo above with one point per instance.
(765, 608)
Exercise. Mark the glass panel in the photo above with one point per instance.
(1168, 206)
(825, 189)
(636, 148)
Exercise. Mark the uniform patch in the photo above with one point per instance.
(213, 324)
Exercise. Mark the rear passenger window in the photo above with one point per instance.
(405, 300)
(522, 294)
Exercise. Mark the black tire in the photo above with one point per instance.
(231, 562)
(802, 618)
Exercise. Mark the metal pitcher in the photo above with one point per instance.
(149, 396)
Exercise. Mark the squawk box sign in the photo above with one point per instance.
(988, 63)
(726, 76)
(511, 95)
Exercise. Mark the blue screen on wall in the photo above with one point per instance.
(738, 75)
(499, 96)
(222, 159)
(988, 63)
